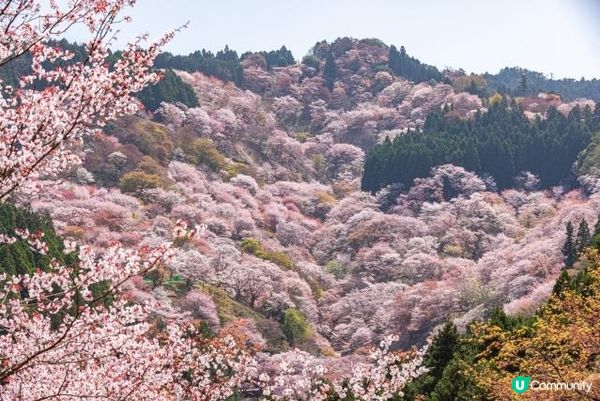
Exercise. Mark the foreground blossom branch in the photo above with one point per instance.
(39, 127)
(59, 339)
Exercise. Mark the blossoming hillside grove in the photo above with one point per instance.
(183, 220)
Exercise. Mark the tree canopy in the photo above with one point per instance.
(170, 89)
(500, 143)
(410, 68)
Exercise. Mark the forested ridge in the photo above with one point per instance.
(500, 142)
(521, 82)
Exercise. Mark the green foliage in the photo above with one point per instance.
(334, 267)
(170, 89)
(254, 247)
(302, 137)
(18, 258)
(330, 72)
(561, 283)
(472, 83)
(373, 42)
(150, 138)
(510, 81)
(596, 117)
(312, 61)
(205, 152)
(441, 349)
(411, 68)
(154, 140)
(447, 378)
(569, 249)
(150, 166)
(456, 384)
(225, 64)
(276, 58)
(506, 322)
(281, 259)
(295, 327)
(583, 236)
(135, 181)
(522, 89)
(11, 71)
(500, 142)
(589, 158)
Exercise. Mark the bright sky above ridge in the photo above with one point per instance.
(551, 36)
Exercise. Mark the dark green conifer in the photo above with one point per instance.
(583, 236)
(330, 72)
(569, 249)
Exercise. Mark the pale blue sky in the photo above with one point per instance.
(551, 36)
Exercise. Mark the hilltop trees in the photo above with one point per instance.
(500, 142)
(278, 58)
(170, 89)
(330, 72)
(225, 64)
(509, 81)
(411, 68)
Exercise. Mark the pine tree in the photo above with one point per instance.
(569, 250)
(562, 283)
(596, 118)
(583, 236)
(523, 85)
(394, 59)
(330, 72)
(441, 350)
(439, 355)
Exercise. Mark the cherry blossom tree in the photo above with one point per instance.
(61, 340)
(78, 96)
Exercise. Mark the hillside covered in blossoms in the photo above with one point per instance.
(314, 208)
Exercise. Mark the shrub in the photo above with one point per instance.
(251, 245)
(295, 327)
(311, 61)
(137, 180)
(254, 247)
(154, 140)
(336, 269)
(205, 152)
(149, 166)
(281, 259)
(302, 137)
